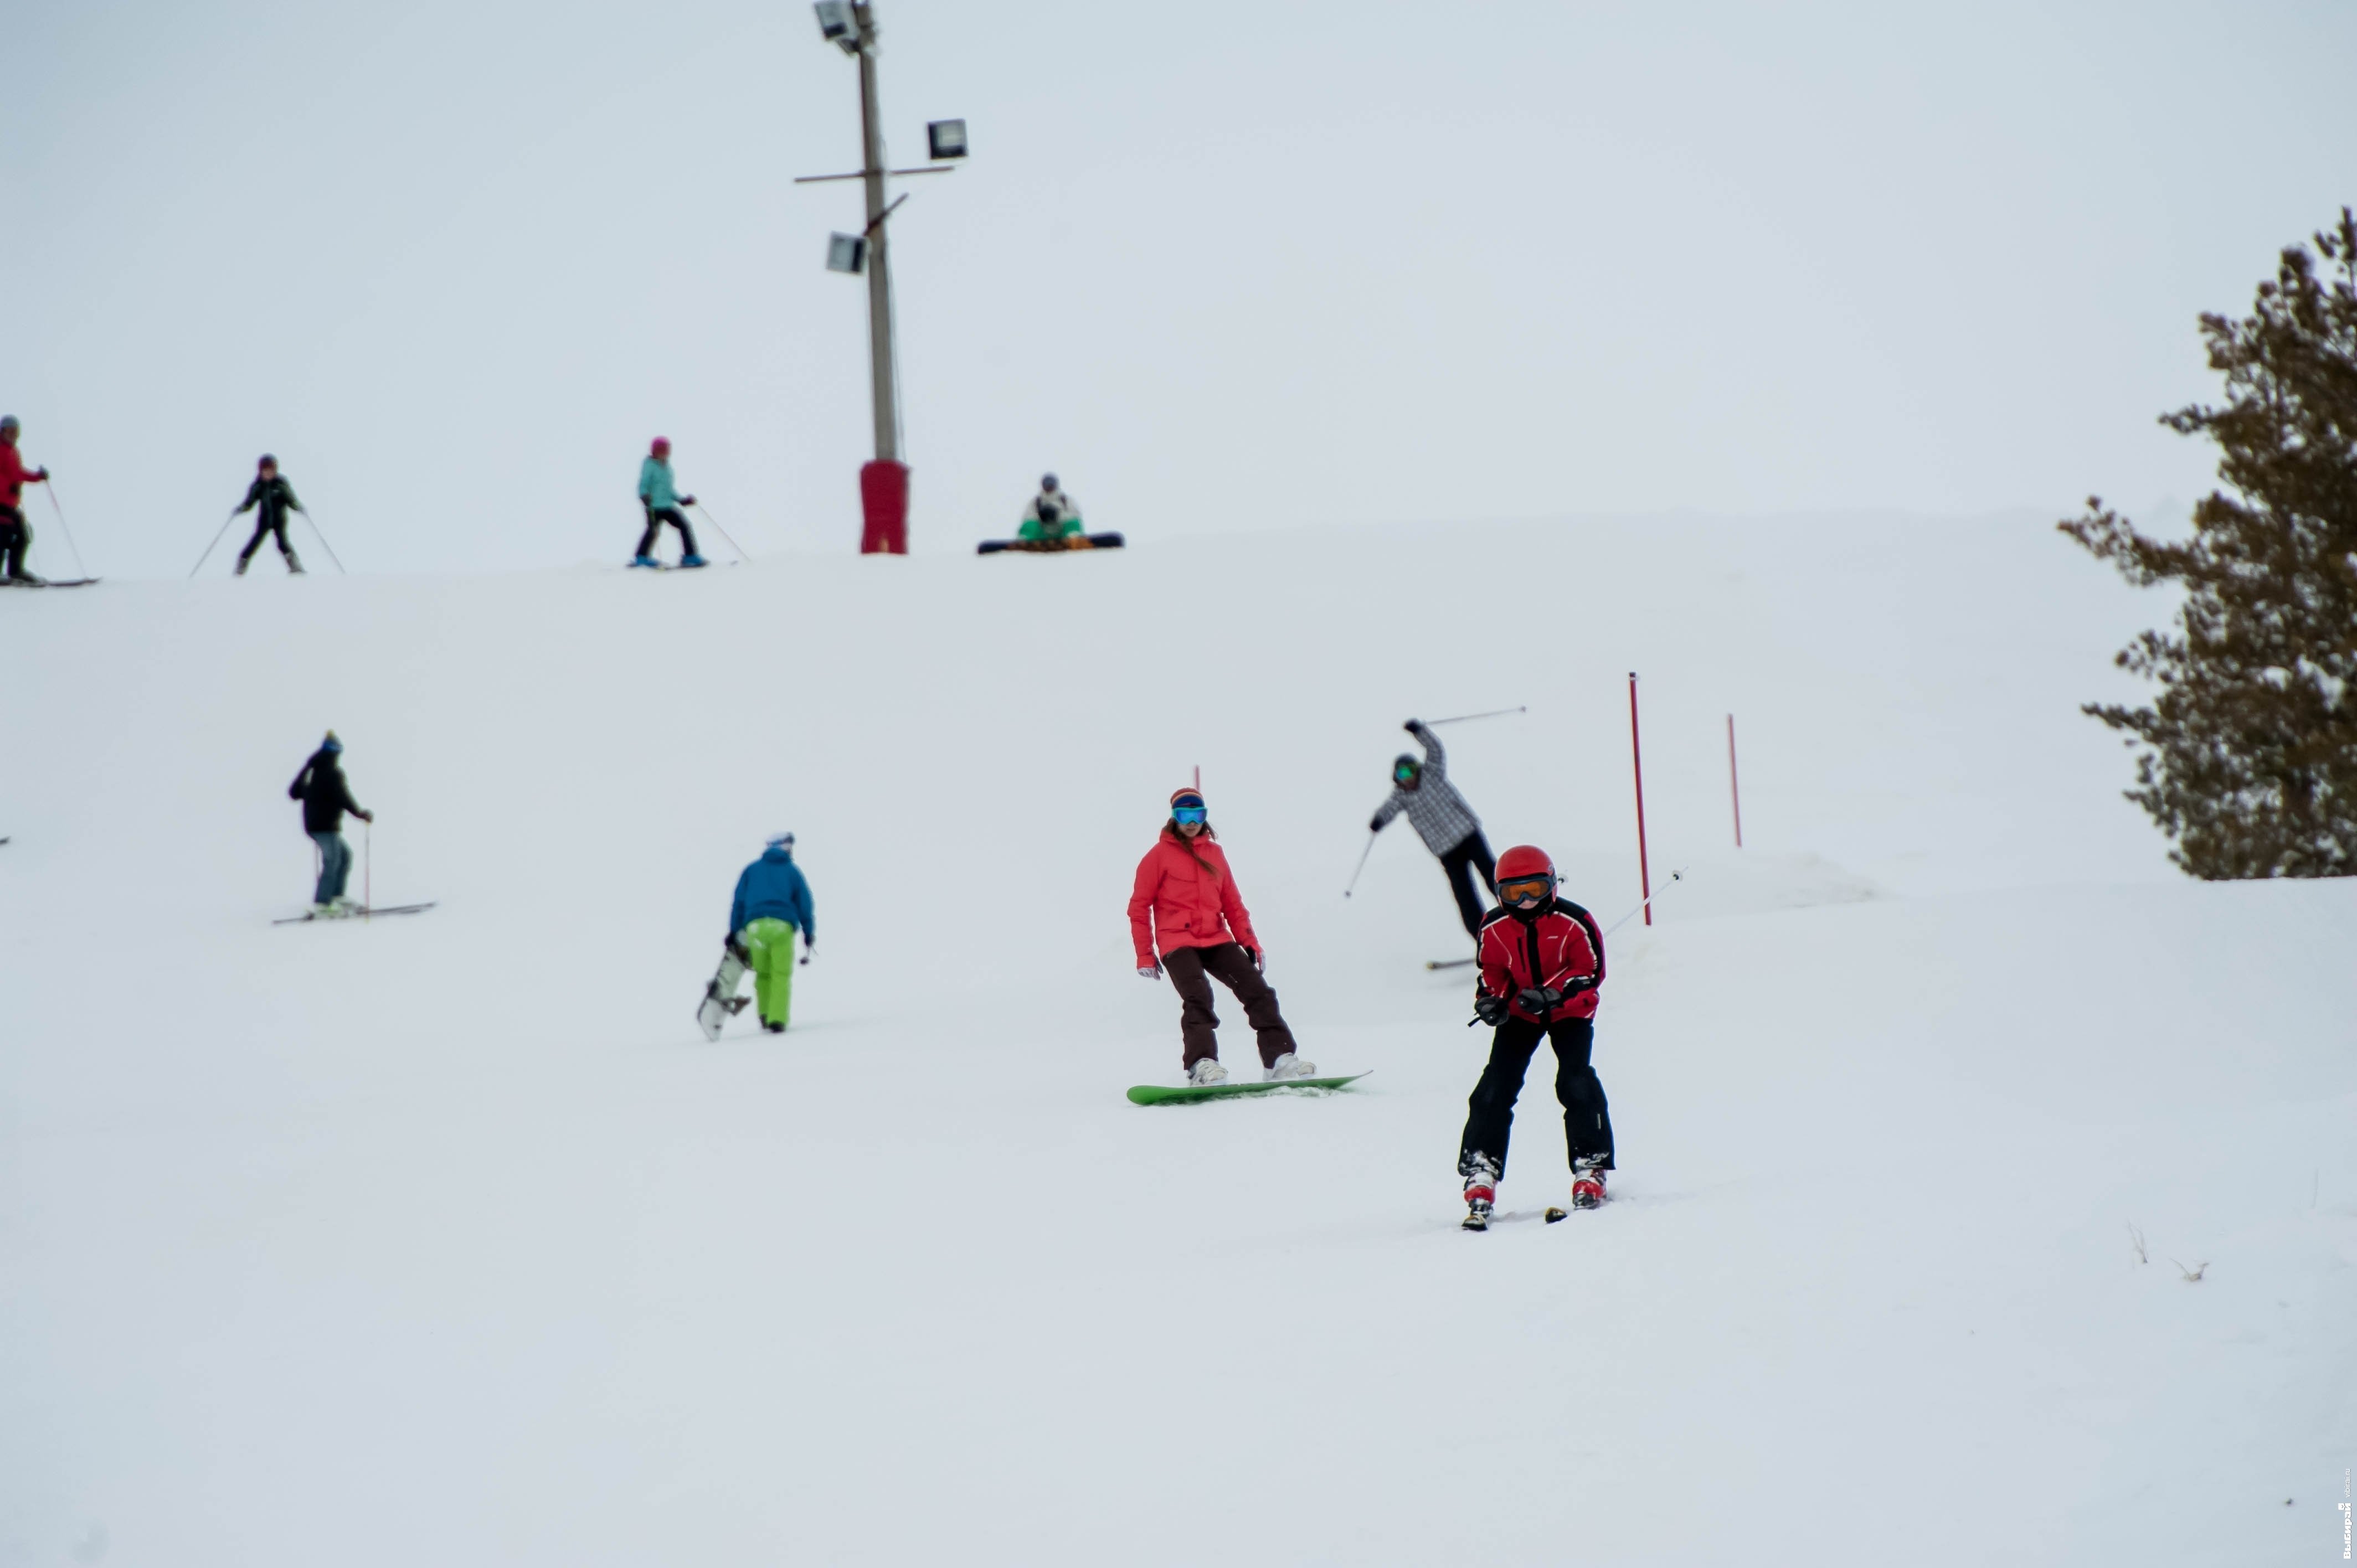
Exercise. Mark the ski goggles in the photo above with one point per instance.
(1533, 888)
(1189, 813)
(1406, 773)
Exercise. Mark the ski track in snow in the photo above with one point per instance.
(447, 1238)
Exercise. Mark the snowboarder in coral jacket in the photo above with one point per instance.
(1443, 820)
(1541, 964)
(773, 902)
(326, 798)
(1186, 916)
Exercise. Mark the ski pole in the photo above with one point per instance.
(1648, 897)
(720, 531)
(1468, 718)
(1361, 865)
(368, 856)
(323, 543)
(210, 548)
(80, 570)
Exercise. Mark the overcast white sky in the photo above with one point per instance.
(1221, 267)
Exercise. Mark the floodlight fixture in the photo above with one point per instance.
(946, 138)
(846, 252)
(835, 24)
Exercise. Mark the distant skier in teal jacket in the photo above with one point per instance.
(773, 902)
(663, 503)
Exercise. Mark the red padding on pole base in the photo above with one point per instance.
(884, 508)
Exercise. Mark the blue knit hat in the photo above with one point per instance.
(1186, 797)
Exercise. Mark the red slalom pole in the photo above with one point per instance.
(1637, 764)
(1734, 789)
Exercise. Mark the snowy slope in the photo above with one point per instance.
(448, 1240)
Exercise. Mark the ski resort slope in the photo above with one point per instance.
(447, 1238)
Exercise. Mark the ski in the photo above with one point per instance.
(1188, 1093)
(67, 582)
(1554, 1214)
(356, 914)
(1050, 546)
(1449, 963)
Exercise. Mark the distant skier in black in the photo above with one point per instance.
(326, 798)
(1443, 820)
(276, 497)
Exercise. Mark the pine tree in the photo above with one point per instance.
(2253, 761)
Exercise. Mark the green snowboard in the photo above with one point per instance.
(1186, 1093)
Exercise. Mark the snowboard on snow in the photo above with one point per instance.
(307, 917)
(721, 1002)
(1050, 546)
(48, 583)
(1186, 1093)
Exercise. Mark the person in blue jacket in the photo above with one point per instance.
(662, 501)
(772, 903)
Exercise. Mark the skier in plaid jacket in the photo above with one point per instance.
(1443, 820)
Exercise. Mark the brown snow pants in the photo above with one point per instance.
(1192, 971)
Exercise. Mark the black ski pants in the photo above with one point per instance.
(1470, 859)
(16, 534)
(656, 518)
(1490, 1115)
(265, 527)
(1192, 971)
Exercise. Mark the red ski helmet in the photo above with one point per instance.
(662, 445)
(1524, 872)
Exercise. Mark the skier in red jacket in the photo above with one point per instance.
(1542, 961)
(15, 534)
(1186, 916)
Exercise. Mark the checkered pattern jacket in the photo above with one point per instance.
(1434, 808)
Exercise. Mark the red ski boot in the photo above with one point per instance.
(1481, 1191)
(1587, 1183)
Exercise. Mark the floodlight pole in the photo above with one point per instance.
(883, 393)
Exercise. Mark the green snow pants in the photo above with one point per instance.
(770, 942)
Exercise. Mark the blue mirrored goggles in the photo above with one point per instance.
(1189, 813)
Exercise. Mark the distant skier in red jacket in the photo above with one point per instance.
(15, 534)
(1185, 916)
(1542, 962)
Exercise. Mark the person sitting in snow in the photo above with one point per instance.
(1541, 965)
(773, 902)
(1051, 516)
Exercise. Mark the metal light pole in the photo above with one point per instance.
(850, 25)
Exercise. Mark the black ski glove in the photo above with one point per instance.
(1489, 1009)
(1260, 963)
(1539, 999)
(1411, 726)
(687, 500)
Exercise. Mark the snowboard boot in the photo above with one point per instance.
(773, 1028)
(646, 561)
(1588, 1182)
(1481, 1191)
(1288, 1066)
(692, 561)
(1207, 1070)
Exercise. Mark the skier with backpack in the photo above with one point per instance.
(1187, 918)
(773, 902)
(1542, 962)
(15, 534)
(1051, 516)
(1443, 820)
(326, 798)
(276, 497)
(663, 504)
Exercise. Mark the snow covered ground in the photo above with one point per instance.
(447, 1239)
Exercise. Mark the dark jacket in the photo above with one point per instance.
(325, 795)
(772, 885)
(275, 496)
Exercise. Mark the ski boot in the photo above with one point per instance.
(242, 563)
(1481, 1191)
(1207, 1070)
(646, 561)
(692, 561)
(1588, 1182)
(1288, 1066)
(293, 564)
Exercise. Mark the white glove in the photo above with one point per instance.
(1149, 972)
